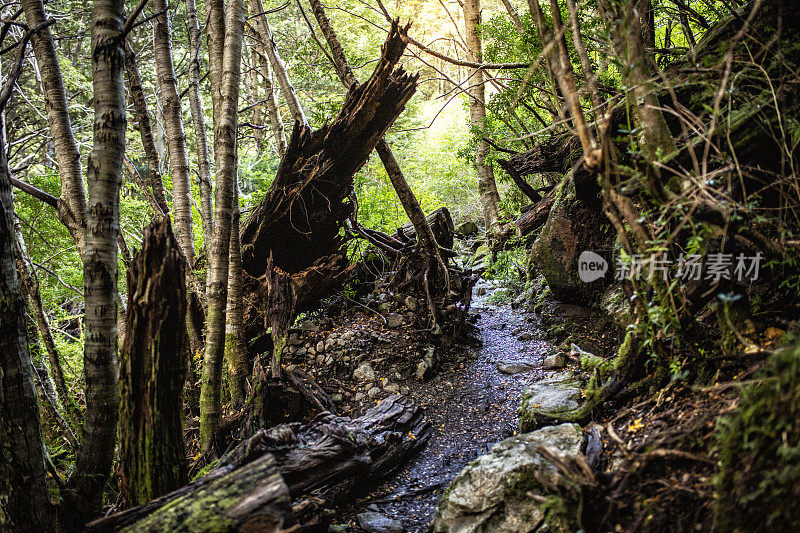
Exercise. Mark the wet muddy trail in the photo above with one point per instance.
(471, 404)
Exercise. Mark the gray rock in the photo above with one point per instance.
(491, 493)
(336, 397)
(294, 340)
(425, 367)
(385, 307)
(311, 351)
(527, 336)
(392, 388)
(320, 359)
(374, 392)
(423, 371)
(554, 362)
(394, 320)
(320, 347)
(307, 325)
(359, 396)
(514, 368)
(467, 229)
(544, 400)
(347, 335)
(364, 373)
(301, 350)
(411, 303)
(374, 522)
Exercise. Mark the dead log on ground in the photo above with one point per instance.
(253, 484)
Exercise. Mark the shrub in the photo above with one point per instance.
(759, 449)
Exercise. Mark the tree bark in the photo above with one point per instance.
(104, 176)
(173, 124)
(287, 89)
(273, 112)
(142, 115)
(435, 265)
(235, 345)
(217, 289)
(24, 503)
(297, 226)
(198, 119)
(487, 188)
(72, 210)
(30, 283)
(629, 46)
(331, 455)
(152, 455)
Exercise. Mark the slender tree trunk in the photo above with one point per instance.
(629, 46)
(273, 113)
(225, 152)
(196, 107)
(215, 33)
(142, 115)
(30, 284)
(235, 345)
(49, 408)
(173, 124)
(278, 67)
(583, 55)
(487, 188)
(104, 176)
(153, 366)
(24, 503)
(72, 211)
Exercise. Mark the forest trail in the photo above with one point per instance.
(471, 407)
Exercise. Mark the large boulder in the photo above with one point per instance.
(493, 493)
(576, 224)
(547, 399)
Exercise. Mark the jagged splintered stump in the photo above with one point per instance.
(253, 485)
(293, 239)
(153, 367)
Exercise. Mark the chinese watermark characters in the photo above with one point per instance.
(690, 267)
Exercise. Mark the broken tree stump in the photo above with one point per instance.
(298, 223)
(152, 370)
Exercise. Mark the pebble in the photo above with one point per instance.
(320, 347)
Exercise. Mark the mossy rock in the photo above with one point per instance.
(491, 494)
(758, 484)
(547, 400)
(573, 226)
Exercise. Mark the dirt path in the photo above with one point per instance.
(471, 405)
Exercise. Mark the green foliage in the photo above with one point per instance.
(759, 452)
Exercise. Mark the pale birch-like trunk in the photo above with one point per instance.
(104, 177)
(273, 112)
(217, 289)
(487, 188)
(71, 210)
(278, 67)
(173, 125)
(143, 125)
(235, 345)
(199, 121)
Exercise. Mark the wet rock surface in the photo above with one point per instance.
(492, 493)
(544, 400)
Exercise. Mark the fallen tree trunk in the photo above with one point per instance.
(535, 216)
(253, 484)
(441, 224)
